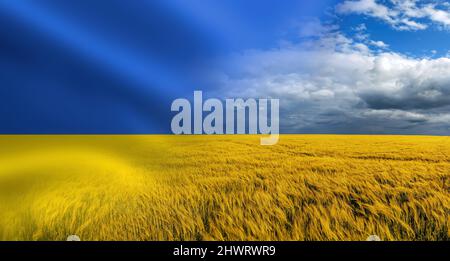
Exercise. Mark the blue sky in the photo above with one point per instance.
(361, 66)
(413, 42)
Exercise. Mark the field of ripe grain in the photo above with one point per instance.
(161, 187)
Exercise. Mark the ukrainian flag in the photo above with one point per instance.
(85, 95)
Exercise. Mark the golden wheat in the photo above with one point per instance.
(161, 187)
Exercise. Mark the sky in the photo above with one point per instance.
(355, 66)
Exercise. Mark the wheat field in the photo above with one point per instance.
(227, 187)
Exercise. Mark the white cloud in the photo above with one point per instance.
(379, 44)
(339, 83)
(400, 14)
(368, 7)
(407, 24)
(440, 16)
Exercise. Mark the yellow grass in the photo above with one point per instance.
(307, 187)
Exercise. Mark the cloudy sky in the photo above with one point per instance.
(363, 66)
